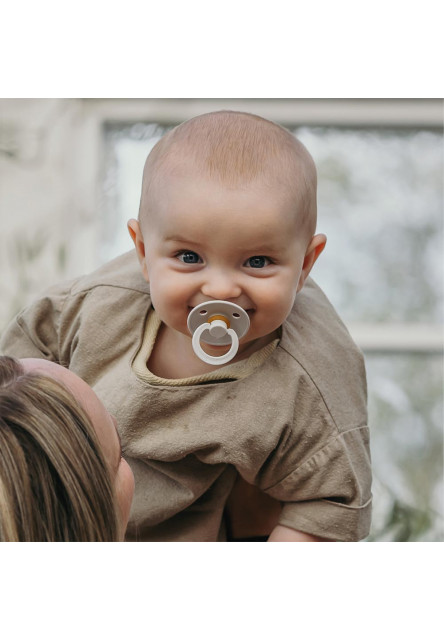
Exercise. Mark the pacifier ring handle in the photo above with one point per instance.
(214, 360)
(217, 323)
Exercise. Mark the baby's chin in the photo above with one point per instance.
(215, 349)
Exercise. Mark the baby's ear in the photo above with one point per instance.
(137, 237)
(314, 250)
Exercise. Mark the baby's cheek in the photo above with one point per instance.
(171, 289)
(280, 302)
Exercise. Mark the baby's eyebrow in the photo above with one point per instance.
(265, 249)
(176, 238)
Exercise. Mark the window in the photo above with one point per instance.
(380, 204)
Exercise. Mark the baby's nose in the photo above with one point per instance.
(221, 286)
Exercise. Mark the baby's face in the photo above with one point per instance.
(206, 242)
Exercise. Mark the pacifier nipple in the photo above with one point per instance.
(217, 323)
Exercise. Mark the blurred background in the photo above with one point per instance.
(70, 178)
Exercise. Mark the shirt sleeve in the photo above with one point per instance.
(33, 333)
(329, 494)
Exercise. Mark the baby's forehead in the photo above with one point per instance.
(208, 213)
(184, 177)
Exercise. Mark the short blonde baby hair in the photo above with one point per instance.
(237, 149)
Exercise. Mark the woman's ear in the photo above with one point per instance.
(314, 250)
(137, 237)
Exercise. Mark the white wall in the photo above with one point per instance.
(48, 196)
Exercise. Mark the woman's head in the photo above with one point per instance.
(61, 473)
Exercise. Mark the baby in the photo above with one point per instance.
(228, 212)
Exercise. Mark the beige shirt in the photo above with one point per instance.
(292, 419)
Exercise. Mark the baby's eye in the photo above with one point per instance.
(189, 257)
(258, 262)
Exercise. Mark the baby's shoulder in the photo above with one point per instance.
(319, 348)
(122, 273)
(314, 327)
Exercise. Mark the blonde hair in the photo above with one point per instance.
(55, 485)
(236, 148)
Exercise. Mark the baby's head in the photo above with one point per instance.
(237, 151)
(228, 212)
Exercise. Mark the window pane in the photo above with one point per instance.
(380, 202)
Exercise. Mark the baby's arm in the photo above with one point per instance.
(33, 333)
(254, 514)
(284, 534)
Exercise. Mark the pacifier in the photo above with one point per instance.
(217, 323)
